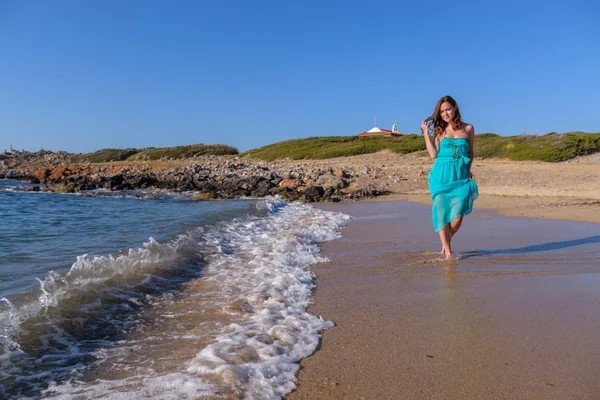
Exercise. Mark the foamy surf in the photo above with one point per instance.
(235, 330)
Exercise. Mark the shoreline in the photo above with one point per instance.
(513, 319)
(574, 183)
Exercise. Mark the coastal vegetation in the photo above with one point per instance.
(179, 152)
(156, 153)
(105, 155)
(551, 147)
(318, 148)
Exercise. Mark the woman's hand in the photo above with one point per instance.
(425, 127)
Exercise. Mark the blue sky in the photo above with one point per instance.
(85, 75)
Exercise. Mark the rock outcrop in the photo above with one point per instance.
(211, 177)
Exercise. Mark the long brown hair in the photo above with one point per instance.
(439, 125)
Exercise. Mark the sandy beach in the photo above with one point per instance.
(515, 318)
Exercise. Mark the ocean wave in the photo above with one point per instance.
(255, 266)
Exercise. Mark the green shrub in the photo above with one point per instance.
(336, 146)
(180, 152)
(105, 155)
(155, 153)
(551, 147)
(487, 145)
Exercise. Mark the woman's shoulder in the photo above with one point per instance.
(469, 128)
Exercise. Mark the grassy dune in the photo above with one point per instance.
(179, 152)
(156, 153)
(105, 155)
(335, 146)
(551, 147)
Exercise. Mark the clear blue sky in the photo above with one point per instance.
(84, 75)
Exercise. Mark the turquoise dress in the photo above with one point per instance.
(452, 192)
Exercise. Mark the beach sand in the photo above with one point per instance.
(516, 317)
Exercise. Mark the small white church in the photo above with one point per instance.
(375, 131)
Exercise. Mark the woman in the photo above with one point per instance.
(451, 183)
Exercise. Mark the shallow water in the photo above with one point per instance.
(114, 296)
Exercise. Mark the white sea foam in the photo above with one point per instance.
(8, 330)
(258, 266)
(267, 274)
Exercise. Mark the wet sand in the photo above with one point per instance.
(516, 318)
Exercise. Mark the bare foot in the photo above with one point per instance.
(453, 256)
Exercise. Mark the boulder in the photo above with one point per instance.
(59, 172)
(290, 183)
(42, 174)
(329, 180)
(314, 193)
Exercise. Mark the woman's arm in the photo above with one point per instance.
(431, 145)
(471, 138)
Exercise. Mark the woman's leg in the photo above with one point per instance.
(445, 238)
(455, 225)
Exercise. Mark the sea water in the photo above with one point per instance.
(152, 295)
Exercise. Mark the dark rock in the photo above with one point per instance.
(142, 181)
(206, 186)
(262, 189)
(314, 193)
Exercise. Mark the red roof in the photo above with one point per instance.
(380, 132)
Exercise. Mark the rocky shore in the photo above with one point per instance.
(211, 177)
(555, 186)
